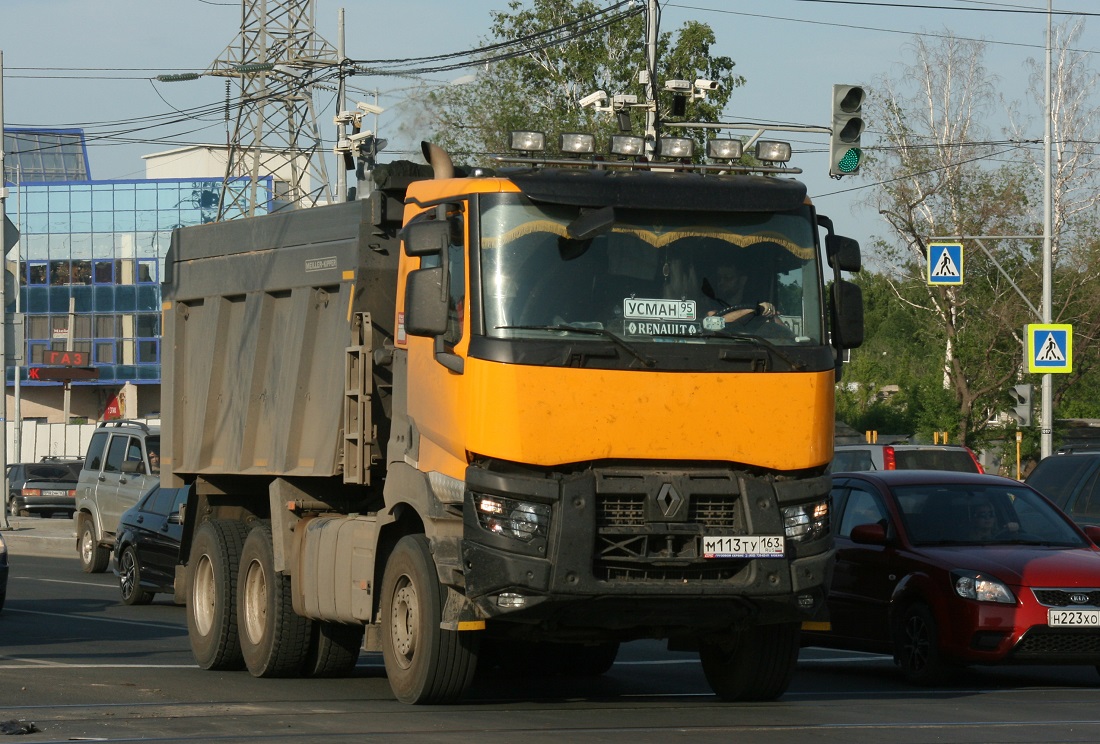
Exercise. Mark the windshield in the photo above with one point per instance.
(649, 275)
(981, 515)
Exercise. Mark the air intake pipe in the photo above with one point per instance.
(438, 158)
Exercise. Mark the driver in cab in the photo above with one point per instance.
(730, 291)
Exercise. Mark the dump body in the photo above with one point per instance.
(261, 315)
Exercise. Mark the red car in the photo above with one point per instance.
(943, 569)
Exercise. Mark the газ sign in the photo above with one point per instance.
(66, 358)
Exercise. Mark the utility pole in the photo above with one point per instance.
(1046, 411)
(341, 104)
(652, 30)
(3, 315)
(275, 59)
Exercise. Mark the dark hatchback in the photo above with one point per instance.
(148, 545)
(945, 569)
(43, 488)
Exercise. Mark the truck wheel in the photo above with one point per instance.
(424, 663)
(211, 609)
(129, 579)
(274, 639)
(754, 664)
(94, 558)
(333, 650)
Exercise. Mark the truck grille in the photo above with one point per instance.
(650, 526)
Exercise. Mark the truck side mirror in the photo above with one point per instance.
(425, 308)
(846, 308)
(427, 238)
(843, 253)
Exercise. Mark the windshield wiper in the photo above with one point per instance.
(647, 361)
(759, 341)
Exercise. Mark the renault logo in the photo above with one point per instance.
(669, 500)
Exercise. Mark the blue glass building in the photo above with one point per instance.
(95, 249)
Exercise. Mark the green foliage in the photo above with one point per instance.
(542, 89)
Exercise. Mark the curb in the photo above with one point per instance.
(40, 537)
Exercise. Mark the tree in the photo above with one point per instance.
(940, 177)
(1075, 231)
(542, 88)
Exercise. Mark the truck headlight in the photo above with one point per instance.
(981, 588)
(522, 520)
(806, 522)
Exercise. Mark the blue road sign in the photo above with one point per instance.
(1049, 347)
(945, 263)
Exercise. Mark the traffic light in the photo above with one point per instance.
(1021, 399)
(844, 151)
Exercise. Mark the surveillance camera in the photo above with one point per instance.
(706, 85)
(677, 86)
(360, 136)
(345, 117)
(593, 99)
(369, 108)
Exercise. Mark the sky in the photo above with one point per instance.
(90, 64)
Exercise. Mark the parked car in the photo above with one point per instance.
(44, 488)
(3, 571)
(946, 569)
(859, 457)
(1071, 479)
(122, 463)
(148, 545)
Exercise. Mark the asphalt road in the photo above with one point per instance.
(79, 665)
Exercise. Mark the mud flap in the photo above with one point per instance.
(459, 613)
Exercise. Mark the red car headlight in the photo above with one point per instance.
(981, 588)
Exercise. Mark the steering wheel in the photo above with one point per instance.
(734, 308)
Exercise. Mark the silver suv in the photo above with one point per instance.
(122, 463)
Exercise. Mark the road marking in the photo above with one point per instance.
(166, 626)
(66, 581)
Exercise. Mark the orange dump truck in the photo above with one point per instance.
(513, 417)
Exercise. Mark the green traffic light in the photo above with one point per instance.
(850, 162)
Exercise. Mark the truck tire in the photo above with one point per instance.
(94, 558)
(424, 663)
(129, 579)
(274, 639)
(333, 649)
(211, 607)
(751, 665)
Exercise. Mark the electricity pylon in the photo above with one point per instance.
(277, 59)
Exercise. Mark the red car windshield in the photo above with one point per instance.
(956, 514)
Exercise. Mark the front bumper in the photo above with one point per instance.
(623, 550)
(986, 633)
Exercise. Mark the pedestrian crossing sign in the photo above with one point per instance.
(945, 263)
(1049, 347)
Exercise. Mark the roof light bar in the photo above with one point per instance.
(577, 142)
(675, 147)
(724, 149)
(773, 152)
(527, 141)
(627, 145)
